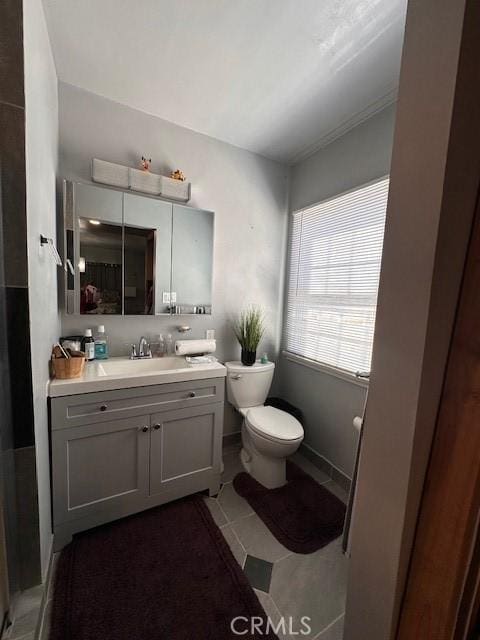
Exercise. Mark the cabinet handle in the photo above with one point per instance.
(103, 407)
(157, 426)
(191, 394)
(144, 429)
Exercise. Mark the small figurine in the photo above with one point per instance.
(178, 175)
(145, 164)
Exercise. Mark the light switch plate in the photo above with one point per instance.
(166, 297)
(173, 296)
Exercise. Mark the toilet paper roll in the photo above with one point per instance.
(194, 347)
(357, 423)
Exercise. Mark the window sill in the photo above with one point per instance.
(324, 368)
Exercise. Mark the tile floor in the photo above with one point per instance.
(287, 584)
(25, 610)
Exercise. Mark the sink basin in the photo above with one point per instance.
(120, 366)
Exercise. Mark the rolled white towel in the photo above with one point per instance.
(194, 347)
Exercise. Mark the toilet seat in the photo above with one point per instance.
(274, 424)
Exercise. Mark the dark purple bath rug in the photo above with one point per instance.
(164, 574)
(302, 515)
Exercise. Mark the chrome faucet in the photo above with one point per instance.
(144, 350)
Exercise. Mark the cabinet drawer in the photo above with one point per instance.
(85, 408)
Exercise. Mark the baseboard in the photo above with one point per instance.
(326, 466)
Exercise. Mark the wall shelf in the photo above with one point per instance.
(117, 175)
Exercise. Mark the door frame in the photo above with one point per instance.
(434, 182)
(442, 586)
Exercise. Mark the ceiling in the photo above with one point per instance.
(278, 77)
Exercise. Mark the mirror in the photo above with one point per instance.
(139, 256)
(100, 267)
(192, 250)
(151, 218)
(135, 255)
(98, 243)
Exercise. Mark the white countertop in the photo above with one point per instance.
(123, 373)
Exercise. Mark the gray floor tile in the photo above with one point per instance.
(272, 612)
(258, 572)
(311, 585)
(234, 544)
(307, 466)
(232, 466)
(24, 625)
(28, 636)
(337, 490)
(333, 550)
(284, 627)
(45, 628)
(28, 600)
(233, 505)
(333, 631)
(257, 539)
(216, 512)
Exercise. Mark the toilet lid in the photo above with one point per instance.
(274, 423)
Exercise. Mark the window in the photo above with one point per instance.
(335, 256)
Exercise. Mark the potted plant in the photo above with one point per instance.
(249, 330)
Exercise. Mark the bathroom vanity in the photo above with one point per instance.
(130, 435)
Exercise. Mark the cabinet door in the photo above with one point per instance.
(192, 259)
(98, 260)
(185, 444)
(148, 251)
(99, 466)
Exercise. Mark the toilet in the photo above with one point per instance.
(269, 435)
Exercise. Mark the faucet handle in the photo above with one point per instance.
(133, 351)
(147, 351)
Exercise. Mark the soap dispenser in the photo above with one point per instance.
(158, 350)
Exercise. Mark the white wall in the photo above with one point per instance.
(41, 106)
(247, 192)
(329, 404)
(359, 156)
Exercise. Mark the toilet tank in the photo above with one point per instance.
(248, 386)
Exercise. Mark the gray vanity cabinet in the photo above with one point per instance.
(118, 452)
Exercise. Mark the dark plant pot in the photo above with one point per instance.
(248, 357)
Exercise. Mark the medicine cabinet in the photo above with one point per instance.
(129, 254)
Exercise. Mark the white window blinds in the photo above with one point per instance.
(335, 256)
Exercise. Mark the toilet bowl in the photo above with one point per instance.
(269, 435)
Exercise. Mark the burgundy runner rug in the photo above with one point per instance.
(164, 574)
(303, 515)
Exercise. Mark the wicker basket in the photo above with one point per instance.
(65, 368)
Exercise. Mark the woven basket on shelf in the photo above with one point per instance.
(65, 368)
